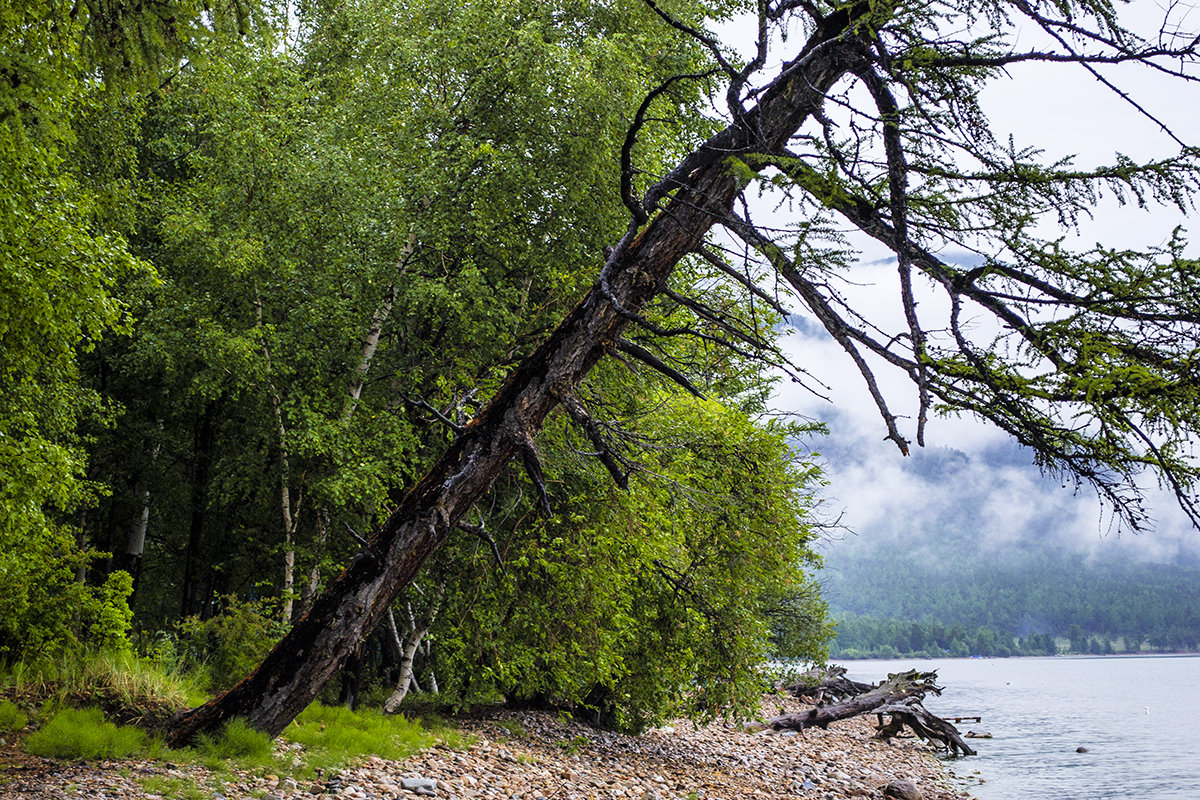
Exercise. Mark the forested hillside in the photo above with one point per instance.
(888, 601)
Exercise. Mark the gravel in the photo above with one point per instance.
(523, 755)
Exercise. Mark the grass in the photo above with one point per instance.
(237, 742)
(127, 688)
(85, 702)
(333, 736)
(175, 788)
(84, 734)
(11, 717)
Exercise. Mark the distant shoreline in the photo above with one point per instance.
(1164, 654)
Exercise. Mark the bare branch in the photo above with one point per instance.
(652, 361)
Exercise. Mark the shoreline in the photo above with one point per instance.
(539, 756)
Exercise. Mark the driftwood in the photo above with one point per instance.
(927, 726)
(821, 683)
(899, 698)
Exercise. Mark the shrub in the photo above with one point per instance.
(84, 734)
(11, 717)
(228, 645)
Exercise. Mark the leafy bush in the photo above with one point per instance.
(227, 646)
(84, 734)
(11, 717)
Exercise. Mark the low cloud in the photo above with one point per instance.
(971, 486)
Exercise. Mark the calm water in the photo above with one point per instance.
(1138, 716)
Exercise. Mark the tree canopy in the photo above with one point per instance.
(368, 219)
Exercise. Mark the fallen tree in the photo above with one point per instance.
(898, 698)
(819, 683)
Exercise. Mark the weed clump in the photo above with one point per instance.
(11, 717)
(84, 734)
(239, 742)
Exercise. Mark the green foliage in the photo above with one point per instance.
(56, 298)
(642, 604)
(227, 645)
(334, 736)
(11, 717)
(239, 742)
(84, 734)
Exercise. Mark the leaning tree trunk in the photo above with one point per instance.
(704, 189)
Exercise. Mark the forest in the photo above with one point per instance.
(889, 602)
(312, 255)
(384, 350)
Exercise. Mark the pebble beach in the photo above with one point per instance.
(522, 755)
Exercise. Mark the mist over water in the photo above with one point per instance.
(1138, 717)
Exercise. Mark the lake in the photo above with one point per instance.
(1138, 716)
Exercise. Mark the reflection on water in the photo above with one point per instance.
(1137, 716)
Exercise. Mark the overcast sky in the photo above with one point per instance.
(970, 477)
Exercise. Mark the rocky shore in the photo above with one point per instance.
(538, 756)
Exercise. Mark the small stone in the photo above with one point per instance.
(417, 784)
(316, 788)
(903, 790)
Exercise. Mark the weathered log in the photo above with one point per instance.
(899, 697)
(895, 689)
(924, 724)
(829, 681)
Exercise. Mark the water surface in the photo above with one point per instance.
(1138, 717)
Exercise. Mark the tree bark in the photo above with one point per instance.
(819, 683)
(899, 697)
(411, 643)
(704, 189)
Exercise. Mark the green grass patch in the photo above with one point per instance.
(126, 688)
(239, 742)
(11, 717)
(84, 734)
(333, 736)
(174, 788)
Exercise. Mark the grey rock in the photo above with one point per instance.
(418, 784)
(903, 790)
